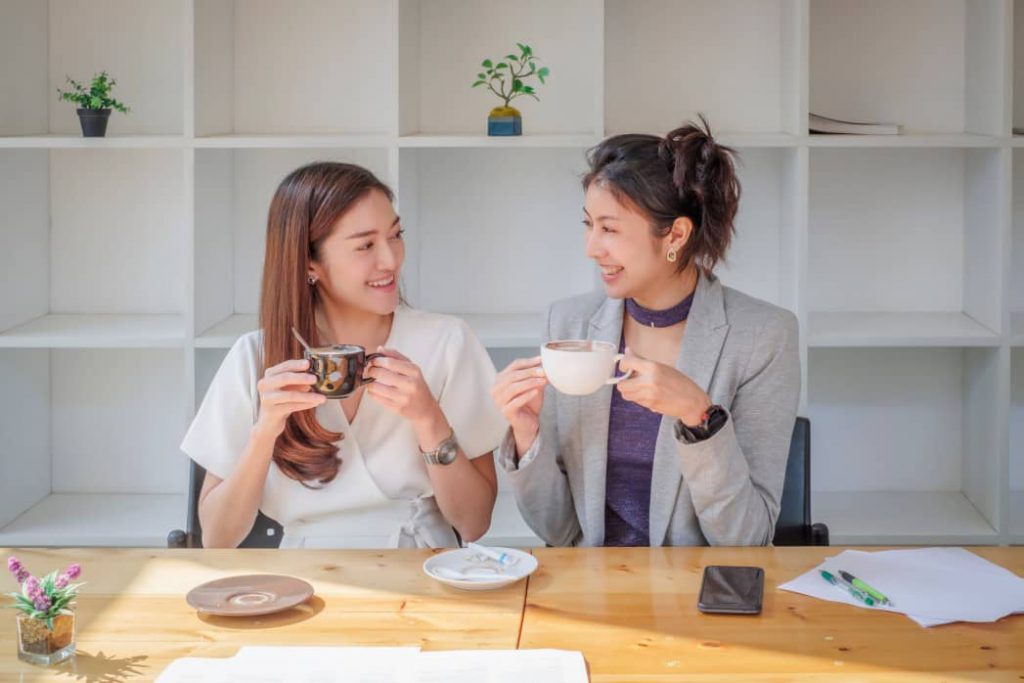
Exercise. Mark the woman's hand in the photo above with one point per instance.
(663, 389)
(399, 386)
(285, 388)
(519, 394)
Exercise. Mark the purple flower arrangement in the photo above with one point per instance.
(44, 599)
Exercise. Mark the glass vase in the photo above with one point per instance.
(38, 644)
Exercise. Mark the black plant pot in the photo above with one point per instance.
(94, 122)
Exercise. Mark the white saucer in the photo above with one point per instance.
(467, 569)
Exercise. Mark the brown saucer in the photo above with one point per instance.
(250, 595)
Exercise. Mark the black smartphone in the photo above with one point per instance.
(731, 590)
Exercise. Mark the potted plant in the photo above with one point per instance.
(506, 79)
(94, 103)
(46, 622)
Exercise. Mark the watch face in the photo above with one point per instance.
(447, 453)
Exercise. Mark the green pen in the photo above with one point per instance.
(864, 588)
(855, 592)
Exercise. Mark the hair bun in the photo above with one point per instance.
(689, 151)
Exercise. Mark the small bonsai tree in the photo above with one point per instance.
(506, 78)
(97, 96)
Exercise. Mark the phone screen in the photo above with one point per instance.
(731, 590)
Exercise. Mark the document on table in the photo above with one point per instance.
(299, 665)
(379, 665)
(502, 666)
(932, 586)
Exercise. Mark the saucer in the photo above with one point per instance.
(466, 569)
(249, 595)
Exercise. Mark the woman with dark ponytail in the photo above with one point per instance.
(691, 447)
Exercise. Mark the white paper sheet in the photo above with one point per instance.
(380, 665)
(930, 585)
(502, 666)
(299, 665)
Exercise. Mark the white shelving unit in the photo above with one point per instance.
(1015, 508)
(129, 264)
(1016, 469)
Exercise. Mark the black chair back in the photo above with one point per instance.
(265, 533)
(794, 525)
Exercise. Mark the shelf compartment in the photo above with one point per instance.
(48, 40)
(475, 249)
(98, 519)
(908, 242)
(664, 66)
(902, 517)
(87, 431)
(330, 65)
(934, 66)
(906, 443)
(78, 245)
(436, 74)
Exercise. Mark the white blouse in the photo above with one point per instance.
(382, 496)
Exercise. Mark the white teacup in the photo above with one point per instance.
(580, 366)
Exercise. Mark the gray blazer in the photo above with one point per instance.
(721, 491)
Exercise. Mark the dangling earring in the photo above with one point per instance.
(311, 280)
(671, 255)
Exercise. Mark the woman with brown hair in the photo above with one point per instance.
(691, 448)
(401, 469)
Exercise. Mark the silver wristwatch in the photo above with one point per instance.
(445, 452)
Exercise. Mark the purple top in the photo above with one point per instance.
(632, 435)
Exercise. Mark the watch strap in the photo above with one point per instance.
(712, 421)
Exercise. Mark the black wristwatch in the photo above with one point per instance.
(715, 418)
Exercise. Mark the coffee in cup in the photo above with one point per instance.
(339, 368)
(580, 366)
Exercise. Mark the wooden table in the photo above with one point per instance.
(132, 618)
(632, 612)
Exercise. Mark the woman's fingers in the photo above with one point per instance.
(398, 366)
(509, 377)
(520, 365)
(523, 363)
(506, 393)
(282, 397)
(296, 381)
(389, 377)
(292, 365)
(392, 353)
(521, 400)
(384, 393)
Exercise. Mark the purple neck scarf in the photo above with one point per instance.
(649, 317)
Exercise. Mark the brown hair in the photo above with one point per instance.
(686, 173)
(303, 212)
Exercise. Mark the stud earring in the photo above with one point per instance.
(671, 256)
(311, 280)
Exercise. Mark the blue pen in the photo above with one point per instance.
(855, 592)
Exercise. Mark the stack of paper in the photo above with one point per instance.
(379, 665)
(930, 585)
